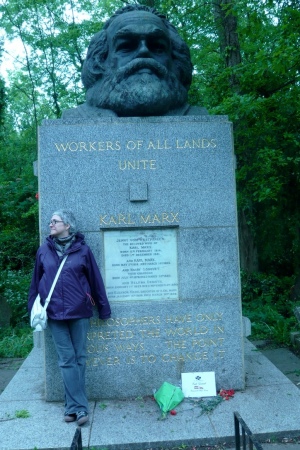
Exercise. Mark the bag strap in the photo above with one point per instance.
(54, 283)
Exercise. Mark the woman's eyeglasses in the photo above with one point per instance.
(54, 221)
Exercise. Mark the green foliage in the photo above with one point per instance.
(15, 342)
(18, 219)
(2, 107)
(14, 286)
(102, 406)
(266, 121)
(22, 414)
(267, 303)
(19, 205)
(207, 405)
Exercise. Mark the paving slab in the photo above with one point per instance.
(286, 361)
(270, 406)
(8, 368)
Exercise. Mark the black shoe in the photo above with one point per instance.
(82, 417)
(70, 417)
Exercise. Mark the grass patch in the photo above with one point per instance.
(22, 414)
(15, 342)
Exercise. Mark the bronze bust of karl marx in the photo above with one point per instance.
(136, 66)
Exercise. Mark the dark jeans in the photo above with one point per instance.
(70, 337)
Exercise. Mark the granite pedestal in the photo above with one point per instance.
(155, 198)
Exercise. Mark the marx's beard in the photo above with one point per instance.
(141, 88)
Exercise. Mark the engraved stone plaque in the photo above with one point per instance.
(141, 264)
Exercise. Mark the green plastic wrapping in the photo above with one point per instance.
(168, 397)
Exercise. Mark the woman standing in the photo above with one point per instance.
(78, 288)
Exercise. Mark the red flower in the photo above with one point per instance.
(173, 412)
(226, 393)
(37, 195)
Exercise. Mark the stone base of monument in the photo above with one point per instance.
(155, 198)
(270, 405)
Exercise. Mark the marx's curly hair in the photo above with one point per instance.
(94, 64)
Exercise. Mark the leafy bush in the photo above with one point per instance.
(15, 342)
(14, 285)
(267, 303)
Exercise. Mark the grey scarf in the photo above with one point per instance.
(62, 244)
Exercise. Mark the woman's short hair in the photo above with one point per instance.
(68, 218)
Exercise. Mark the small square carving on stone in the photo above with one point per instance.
(138, 192)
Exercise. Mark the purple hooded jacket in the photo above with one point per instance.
(79, 284)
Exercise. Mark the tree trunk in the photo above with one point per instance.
(226, 24)
(248, 249)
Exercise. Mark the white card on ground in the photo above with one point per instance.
(199, 384)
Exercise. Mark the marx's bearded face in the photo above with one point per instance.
(140, 78)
